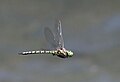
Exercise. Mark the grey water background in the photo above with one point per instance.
(91, 28)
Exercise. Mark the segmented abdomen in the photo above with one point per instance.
(37, 52)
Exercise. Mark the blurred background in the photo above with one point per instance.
(91, 28)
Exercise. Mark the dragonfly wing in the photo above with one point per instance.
(58, 34)
(50, 37)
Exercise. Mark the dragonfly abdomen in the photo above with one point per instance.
(37, 52)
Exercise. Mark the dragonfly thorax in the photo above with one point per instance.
(63, 53)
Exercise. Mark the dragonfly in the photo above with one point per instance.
(56, 41)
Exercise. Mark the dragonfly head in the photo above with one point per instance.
(69, 53)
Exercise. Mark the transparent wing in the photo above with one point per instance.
(58, 34)
(50, 37)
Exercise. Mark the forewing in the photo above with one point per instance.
(50, 37)
(58, 34)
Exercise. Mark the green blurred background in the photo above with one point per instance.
(91, 28)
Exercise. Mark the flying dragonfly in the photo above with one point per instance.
(56, 41)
